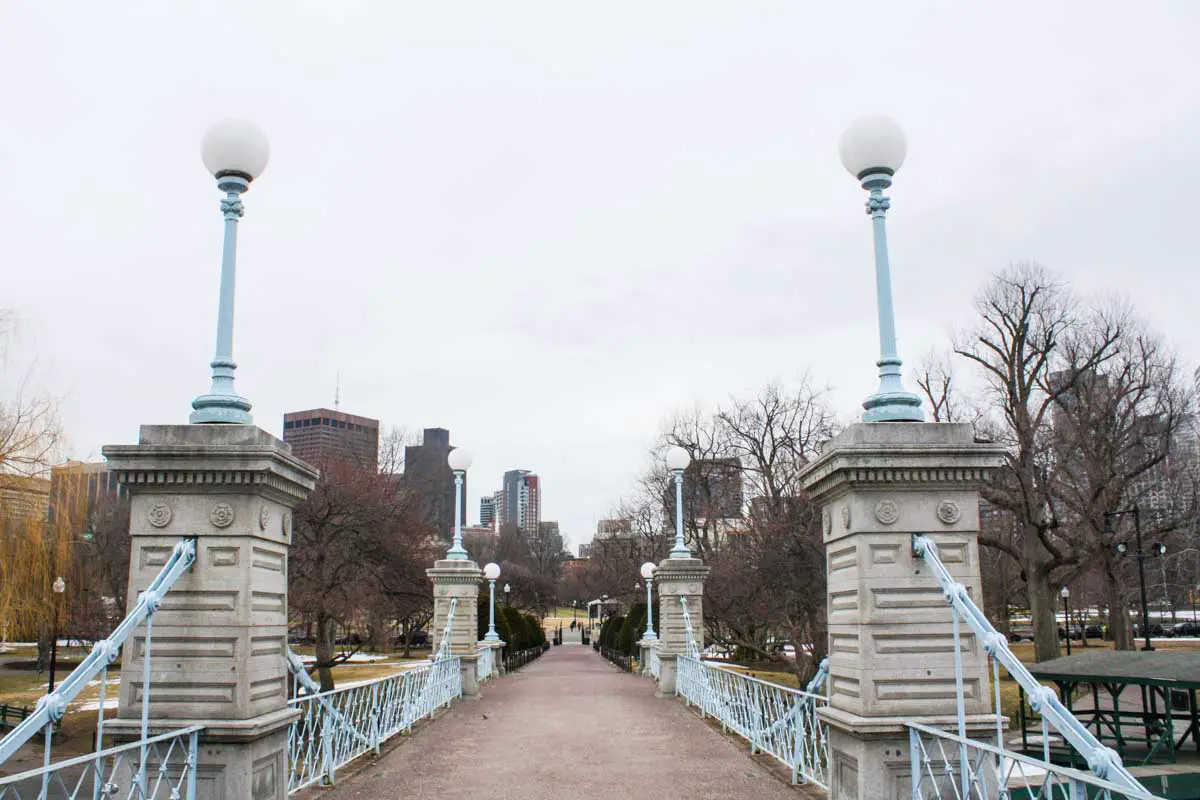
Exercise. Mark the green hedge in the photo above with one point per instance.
(632, 629)
(610, 632)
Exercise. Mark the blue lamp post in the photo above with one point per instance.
(459, 461)
(491, 572)
(677, 461)
(235, 151)
(872, 149)
(648, 573)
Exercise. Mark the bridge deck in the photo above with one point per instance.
(568, 725)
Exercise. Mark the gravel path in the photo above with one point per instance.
(569, 725)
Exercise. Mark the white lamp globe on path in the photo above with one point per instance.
(648, 570)
(235, 147)
(491, 571)
(459, 460)
(872, 144)
(678, 458)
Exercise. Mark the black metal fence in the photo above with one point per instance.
(622, 660)
(522, 657)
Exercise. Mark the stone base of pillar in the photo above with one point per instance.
(645, 646)
(470, 677)
(237, 758)
(869, 757)
(666, 676)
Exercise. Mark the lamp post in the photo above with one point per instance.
(235, 151)
(507, 595)
(1122, 548)
(459, 461)
(59, 587)
(872, 148)
(600, 616)
(1065, 594)
(648, 573)
(491, 572)
(575, 611)
(678, 460)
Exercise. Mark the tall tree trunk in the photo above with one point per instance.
(1042, 600)
(1118, 614)
(324, 651)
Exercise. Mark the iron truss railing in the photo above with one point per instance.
(485, 665)
(52, 707)
(1104, 762)
(338, 726)
(774, 719)
(988, 771)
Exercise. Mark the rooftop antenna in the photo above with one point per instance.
(337, 394)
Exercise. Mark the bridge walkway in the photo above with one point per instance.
(569, 725)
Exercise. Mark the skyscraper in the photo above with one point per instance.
(521, 501)
(428, 475)
(487, 512)
(712, 490)
(80, 488)
(325, 438)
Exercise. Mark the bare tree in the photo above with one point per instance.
(1026, 317)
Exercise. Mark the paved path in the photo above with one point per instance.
(569, 725)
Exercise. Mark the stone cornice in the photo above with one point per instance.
(682, 574)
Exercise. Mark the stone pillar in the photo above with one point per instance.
(891, 645)
(459, 579)
(220, 636)
(676, 578)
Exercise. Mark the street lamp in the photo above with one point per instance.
(574, 610)
(459, 461)
(872, 148)
(1123, 548)
(235, 151)
(59, 586)
(648, 573)
(677, 461)
(491, 572)
(507, 595)
(1065, 594)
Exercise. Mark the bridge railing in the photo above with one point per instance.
(937, 758)
(51, 708)
(774, 719)
(655, 662)
(116, 772)
(486, 664)
(338, 726)
(1104, 762)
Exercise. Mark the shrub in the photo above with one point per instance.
(482, 616)
(518, 632)
(610, 631)
(533, 630)
(631, 630)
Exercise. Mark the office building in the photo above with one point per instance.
(427, 474)
(521, 501)
(24, 498)
(487, 512)
(712, 490)
(326, 438)
(80, 488)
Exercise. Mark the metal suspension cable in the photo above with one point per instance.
(51, 707)
(1103, 761)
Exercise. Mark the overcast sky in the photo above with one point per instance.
(548, 226)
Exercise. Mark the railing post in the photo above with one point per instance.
(893, 653)
(221, 630)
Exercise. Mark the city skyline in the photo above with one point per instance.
(715, 246)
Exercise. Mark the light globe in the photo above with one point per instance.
(491, 571)
(648, 570)
(678, 458)
(235, 146)
(873, 143)
(459, 460)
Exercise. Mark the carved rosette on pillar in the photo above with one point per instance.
(678, 578)
(220, 636)
(458, 578)
(891, 642)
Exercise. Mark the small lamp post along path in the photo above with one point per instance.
(459, 461)
(236, 152)
(507, 595)
(1122, 549)
(677, 461)
(491, 572)
(648, 573)
(59, 587)
(872, 148)
(1065, 594)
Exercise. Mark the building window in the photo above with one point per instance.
(288, 425)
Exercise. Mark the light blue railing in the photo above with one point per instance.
(338, 726)
(116, 772)
(1103, 761)
(52, 707)
(486, 664)
(655, 662)
(936, 757)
